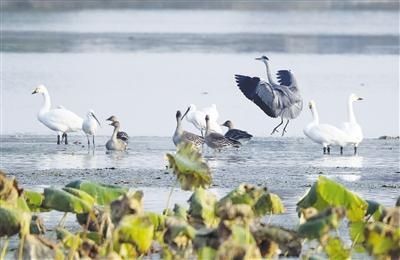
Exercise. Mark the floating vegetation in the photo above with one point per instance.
(114, 224)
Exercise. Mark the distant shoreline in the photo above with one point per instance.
(351, 5)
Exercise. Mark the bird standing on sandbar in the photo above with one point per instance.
(218, 141)
(276, 100)
(351, 127)
(57, 119)
(181, 135)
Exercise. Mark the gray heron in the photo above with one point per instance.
(276, 100)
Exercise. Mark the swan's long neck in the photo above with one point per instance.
(270, 79)
(315, 115)
(114, 135)
(47, 103)
(352, 117)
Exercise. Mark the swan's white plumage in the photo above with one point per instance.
(197, 118)
(324, 134)
(351, 127)
(57, 119)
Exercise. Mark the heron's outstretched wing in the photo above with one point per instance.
(286, 78)
(260, 92)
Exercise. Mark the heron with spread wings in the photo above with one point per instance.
(280, 99)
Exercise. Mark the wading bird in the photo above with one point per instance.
(121, 134)
(276, 100)
(115, 144)
(218, 141)
(58, 119)
(324, 134)
(236, 134)
(181, 135)
(196, 117)
(352, 128)
(89, 126)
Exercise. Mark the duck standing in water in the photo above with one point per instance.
(116, 144)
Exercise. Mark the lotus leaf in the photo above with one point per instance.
(68, 239)
(206, 253)
(269, 203)
(9, 190)
(202, 209)
(33, 199)
(104, 194)
(13, 221)
(325, 193)
(335, 249)
(382, 240)
(64, 201)
(189, 167)
(80, 194)
(137, 230)
(128, 204)
(317, 227)
(178, 233)
(289, 241)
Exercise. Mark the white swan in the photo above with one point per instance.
(352, 128)
(324, 134)
(89, 126)
(197, 118)
(58, 119)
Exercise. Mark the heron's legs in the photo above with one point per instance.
(276, 127)
(93, 141)
(58, 139)
(355, 150)
(341, 150)
(324, 150)
(65, 136)
(88, 141)
(284, 130)
(329, 150)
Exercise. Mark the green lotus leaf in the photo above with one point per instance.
(178, 233)
(34, 200)
(356, 231)
(382, 240)
(64, 201)
(80, 194)
(269, 203)
(206, 253)
(326, 193)
(317, 227)
(102, 193)
(13, 220)
(137, 230)
(335, 249)
(189, 167)
(202, 209)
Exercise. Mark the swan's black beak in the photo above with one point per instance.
(360, 98)
(34, 92)
(186, 112)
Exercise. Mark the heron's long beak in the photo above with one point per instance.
(34, 92)
(360, 98)
(109, 119)
(258, 58)
(186, 112)
(96, 119)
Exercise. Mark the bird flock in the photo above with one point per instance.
(281, 99)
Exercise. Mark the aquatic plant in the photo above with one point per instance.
(115, 225)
